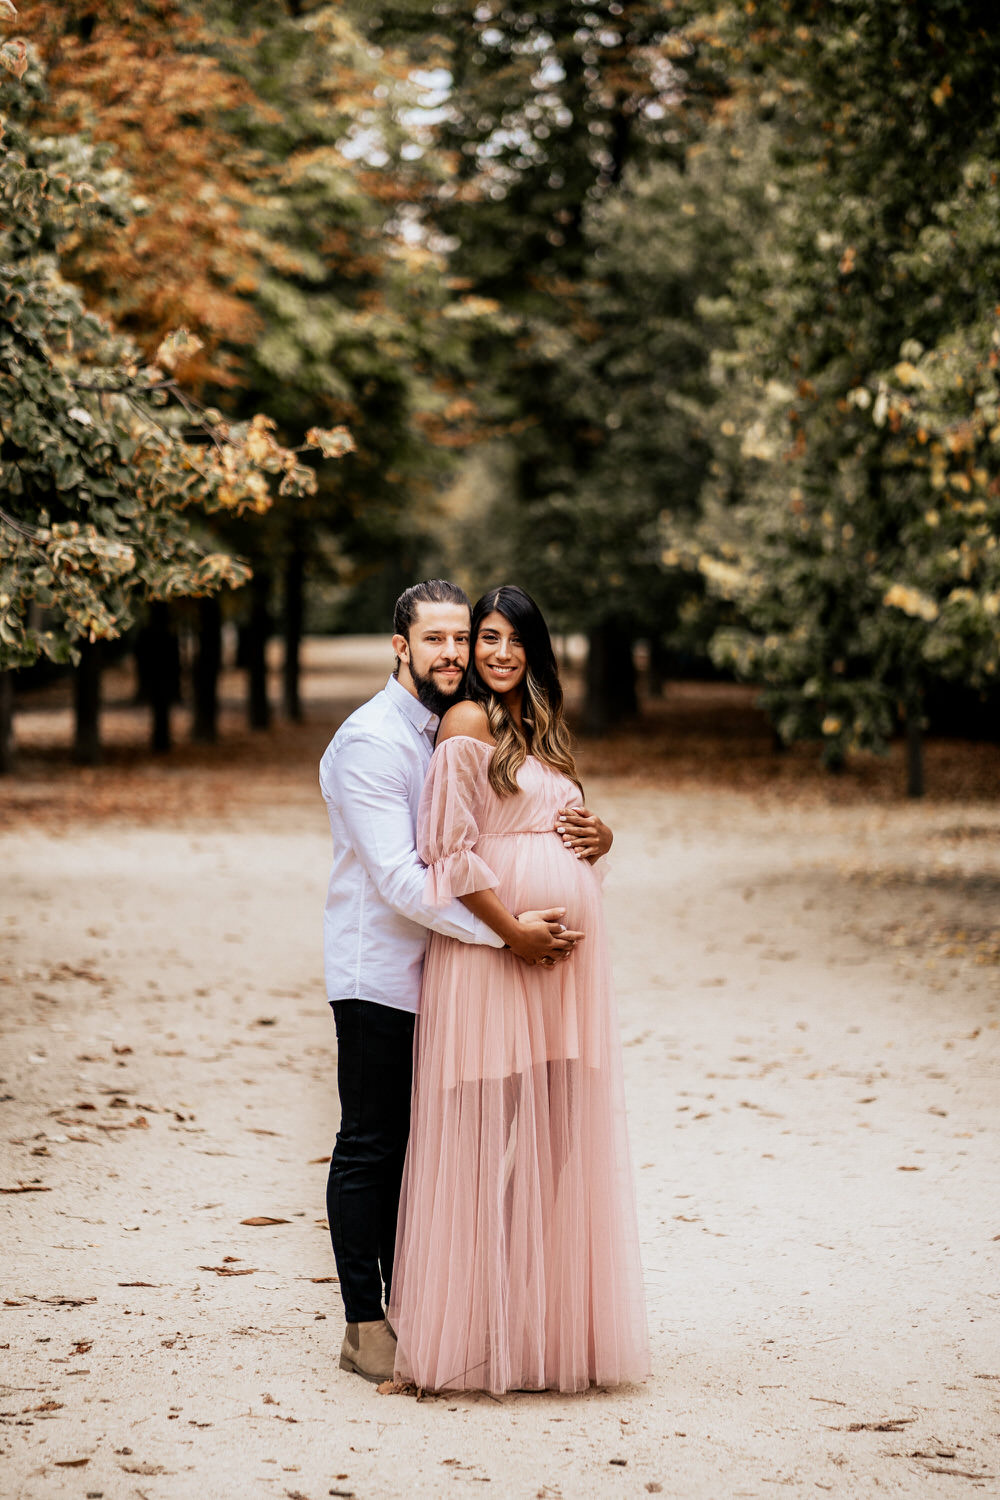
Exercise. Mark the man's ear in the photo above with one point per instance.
(401, 647)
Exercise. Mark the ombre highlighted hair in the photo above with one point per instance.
(544, 734)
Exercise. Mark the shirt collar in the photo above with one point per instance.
(420, 717)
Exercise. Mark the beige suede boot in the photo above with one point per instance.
(369, 1349)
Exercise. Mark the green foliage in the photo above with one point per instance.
(105, 465)
(849, 527)
(569, 204)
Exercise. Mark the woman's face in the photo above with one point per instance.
(500, 658)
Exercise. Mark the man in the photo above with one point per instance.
(375, 931)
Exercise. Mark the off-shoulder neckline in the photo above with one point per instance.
(484, 746)
(474, 739)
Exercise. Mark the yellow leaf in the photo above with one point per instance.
(176, 348)
(333, 442)
(259, 446)
(911, 601)
(943, 91)
(14, 57)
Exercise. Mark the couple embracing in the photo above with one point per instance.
(480, 1181)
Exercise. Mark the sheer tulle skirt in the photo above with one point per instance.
(517, 1263)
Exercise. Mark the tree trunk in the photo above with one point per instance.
(611, 690)
(258, 703)
(6, 723)
(87, 705)
(207, 664)
(658, 670)
(913, 709)
(295, 569)
(164, 673)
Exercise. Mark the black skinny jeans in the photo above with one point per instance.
(374, 1073)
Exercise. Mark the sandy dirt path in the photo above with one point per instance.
(810, 1005)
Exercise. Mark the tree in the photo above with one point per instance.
(345, 305)
(141, 78)
(106, 464)
(564, 129)
(844, 442)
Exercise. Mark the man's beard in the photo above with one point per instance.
(431, 696)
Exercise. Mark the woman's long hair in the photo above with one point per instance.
(544, 734)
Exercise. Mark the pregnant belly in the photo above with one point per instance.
(537, 871)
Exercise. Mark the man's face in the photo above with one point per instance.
(433, 661)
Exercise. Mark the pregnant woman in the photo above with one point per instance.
(517, 1263)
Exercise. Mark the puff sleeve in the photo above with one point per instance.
(447, 823)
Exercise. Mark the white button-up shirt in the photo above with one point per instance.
(375, 923)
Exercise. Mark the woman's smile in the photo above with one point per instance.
(501, 660)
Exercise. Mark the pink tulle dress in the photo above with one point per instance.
(517, 1258)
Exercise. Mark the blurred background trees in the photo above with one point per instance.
(855, 531)
(683, 316)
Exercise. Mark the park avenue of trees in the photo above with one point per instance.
(683, 315)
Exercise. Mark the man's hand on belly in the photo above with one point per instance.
(583, 833)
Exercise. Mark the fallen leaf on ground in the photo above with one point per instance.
(958, 1473)
(26, 1187)
(887, 1424)
(71, 1463)
(318, 1161)
(319, 1280)
(65, 1301)
(261, 1219)
(229, 1270)
(140, 1283)
(70, 971)
(143, 1469)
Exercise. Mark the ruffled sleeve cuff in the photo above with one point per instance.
(458, 874)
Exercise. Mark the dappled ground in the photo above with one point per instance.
(809, 983)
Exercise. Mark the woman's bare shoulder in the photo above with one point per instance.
(465, 718)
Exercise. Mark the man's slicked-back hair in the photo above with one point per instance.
(431, 591)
